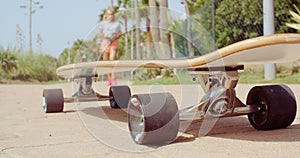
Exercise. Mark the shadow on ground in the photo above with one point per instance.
(106, 112)
(237, 128)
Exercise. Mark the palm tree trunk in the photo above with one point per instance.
(148, 55)
(111, 3)
(137, 30)
(188, 35)
(164, 26)
(126, 33)
(154, 26)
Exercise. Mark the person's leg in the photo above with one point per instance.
(106, 56)
(113, 56)
(113, 50)
(106, 49)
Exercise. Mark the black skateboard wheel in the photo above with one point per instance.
(120, 96)
(53, 100)
(153, 118)
(277, 106)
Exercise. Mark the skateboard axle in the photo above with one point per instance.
(220, 99)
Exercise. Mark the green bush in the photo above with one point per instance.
(16, 65)
(8, 64)
(36, 66)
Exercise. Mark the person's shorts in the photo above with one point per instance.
(107, 45)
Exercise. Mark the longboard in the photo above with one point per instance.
(277, 48)
(153, 119)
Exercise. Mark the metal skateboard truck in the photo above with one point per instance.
(267, 107)
(53, 99)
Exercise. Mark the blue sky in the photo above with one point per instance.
(60, 22)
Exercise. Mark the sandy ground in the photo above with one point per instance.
(94, 130)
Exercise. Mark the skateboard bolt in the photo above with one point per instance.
(135, 102)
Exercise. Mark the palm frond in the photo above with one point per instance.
(295, 18)
(294, 26)
(297, 9)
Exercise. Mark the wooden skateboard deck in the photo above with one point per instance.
(277, 48)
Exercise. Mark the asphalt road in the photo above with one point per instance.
(94, 130)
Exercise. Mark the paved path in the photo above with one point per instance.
(94, 130)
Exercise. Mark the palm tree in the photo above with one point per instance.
(111, 3)
(188, 32)
(145, 14)
(154, 25)
(164, 26)
(137, 29)
(157, 24)
(148, 38)
(296, 18)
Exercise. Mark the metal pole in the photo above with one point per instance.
(268, 11)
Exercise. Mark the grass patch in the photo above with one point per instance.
(286, 74)
(182, 77)
(259, 78)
